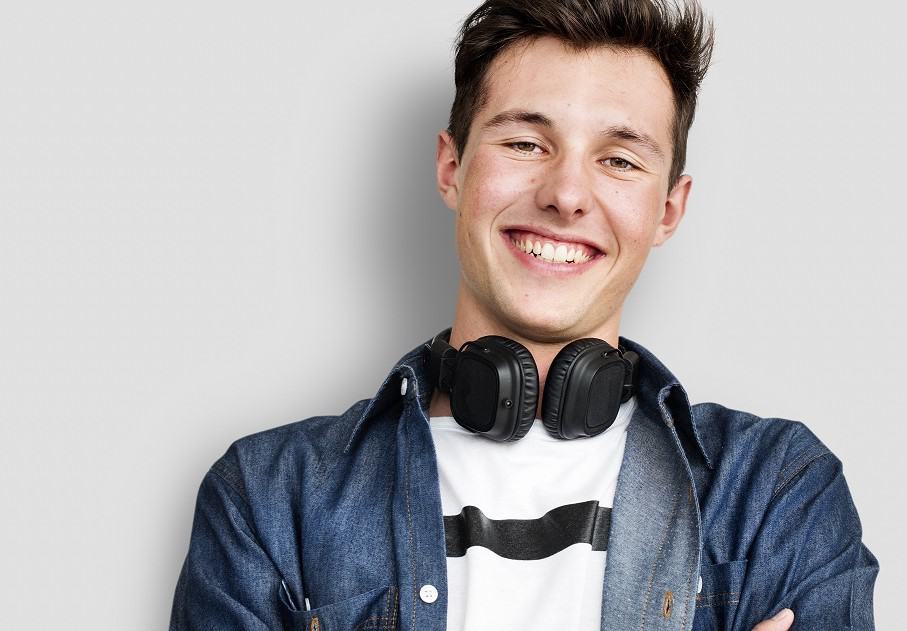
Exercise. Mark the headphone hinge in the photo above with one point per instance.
(447, 368)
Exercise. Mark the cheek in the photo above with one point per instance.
(634, 217)
(491, 185)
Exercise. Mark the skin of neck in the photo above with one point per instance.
(472, 321)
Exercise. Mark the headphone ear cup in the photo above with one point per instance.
(552, 404)
(530, 396)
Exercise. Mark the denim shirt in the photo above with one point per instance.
(720, 519)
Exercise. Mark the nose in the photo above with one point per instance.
(565, 188)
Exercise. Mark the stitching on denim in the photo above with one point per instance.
(325, 463)
(387, 599)
(717, 600)
(718, 604)
(694, 569)
(669, 421)
(390, 613)
(323, 470)
(371, 403)
(374, 622)
(703, 597)
(377, 622)
(231, 477)
(421, 402)
(693, 572)
(807, 459)
(409, 523)
(655, 565)
(388, 620)
(235, 492)
(395, 609)
(369, 406)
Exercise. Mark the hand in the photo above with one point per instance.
(781, 621)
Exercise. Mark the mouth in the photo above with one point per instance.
(551, 250)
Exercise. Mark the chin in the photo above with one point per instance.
(542, 327)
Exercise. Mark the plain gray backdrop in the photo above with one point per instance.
(222, 217)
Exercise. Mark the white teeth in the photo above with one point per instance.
(560, 254)
(551, 253)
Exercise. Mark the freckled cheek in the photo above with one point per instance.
(489, 189)
(475, 209)
(633, 222)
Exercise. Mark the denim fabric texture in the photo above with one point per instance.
(720, 519)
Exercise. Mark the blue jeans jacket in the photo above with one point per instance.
(334, 523)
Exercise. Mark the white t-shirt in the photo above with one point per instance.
(527, 525)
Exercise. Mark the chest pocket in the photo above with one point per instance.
(717, 602)
(372, 610)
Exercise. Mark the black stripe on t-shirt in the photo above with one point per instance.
(529, 539)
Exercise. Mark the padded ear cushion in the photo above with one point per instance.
(556, 380)
(528, 403)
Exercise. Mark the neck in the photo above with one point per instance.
(471, 323)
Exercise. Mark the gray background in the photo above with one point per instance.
(221, 217)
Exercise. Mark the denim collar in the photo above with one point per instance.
(657, 386)
(658, 392)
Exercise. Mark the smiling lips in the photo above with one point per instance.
(551, 250)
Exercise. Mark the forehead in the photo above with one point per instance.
(581, 89)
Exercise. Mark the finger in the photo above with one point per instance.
(781, 621)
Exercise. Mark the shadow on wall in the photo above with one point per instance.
(414, 227)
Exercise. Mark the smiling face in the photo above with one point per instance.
(561, 191)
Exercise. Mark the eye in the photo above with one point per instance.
(621, 164)
(524, 146)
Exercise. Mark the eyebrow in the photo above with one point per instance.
(518, 116)
(632, 135)
(622, 132)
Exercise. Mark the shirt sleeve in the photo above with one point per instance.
(227, 581)
(809, 555)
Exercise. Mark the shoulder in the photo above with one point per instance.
(292, 452)
(779, 525)
(777, 450)
(772, 483)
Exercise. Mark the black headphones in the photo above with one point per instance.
(493, 385)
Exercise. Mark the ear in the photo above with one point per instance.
(675, 207)
(447, 165)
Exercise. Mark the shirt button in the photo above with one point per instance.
(403, 385)
(428, 594)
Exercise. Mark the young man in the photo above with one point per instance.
(563, 163)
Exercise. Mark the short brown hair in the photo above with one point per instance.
(678, 36)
